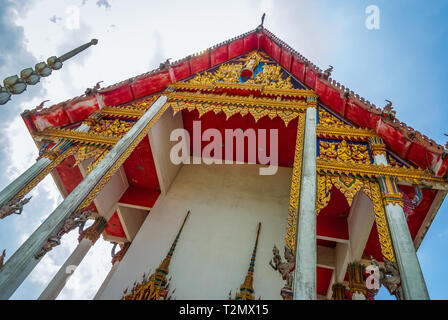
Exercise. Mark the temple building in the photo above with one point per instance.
(315, 188)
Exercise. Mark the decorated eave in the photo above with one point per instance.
(404, 141)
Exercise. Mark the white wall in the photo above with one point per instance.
(159, 139)
(213, 253)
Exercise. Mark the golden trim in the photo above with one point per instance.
(374, 171)
(45, 172)
(344, 133)
(122, 112)
(242, 101)
(256, 113)
(83, 138)
(392, 198)
(291, 229)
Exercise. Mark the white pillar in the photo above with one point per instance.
(412, 281)
(106, 281)
(19, 266)
(10, 191)
(58, 282)
(305, 270)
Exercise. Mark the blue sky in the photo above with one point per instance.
(404, 61)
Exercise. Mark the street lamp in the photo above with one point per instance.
(15, 85)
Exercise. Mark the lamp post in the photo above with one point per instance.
(29, 76)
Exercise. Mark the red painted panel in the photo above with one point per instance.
(360, 116)
(114, 227)
(81, 110)
(441, 166)
(140, 196)
(182, 71)
(298, 70)
(250, 42)
(28, 123)
(219, 55)
(419, 155)
(310, 79)
(210, 120)
(332, 220)
(236, 48)
(373, 247)
(70, 176)
(118, 96)
(56, 118)
(151, 84)
(330, 97)
(323, 278)
(200, 63)
(415, 221)
(286, 60)
(140, 168)
(275, 53)
(265, 44)
(393, 138)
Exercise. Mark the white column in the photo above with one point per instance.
(412, 281)
(10, 191)
(19, 266)
(106, 281)
(305, 270)
(58, 282)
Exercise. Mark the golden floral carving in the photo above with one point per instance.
(374, 193)
(324, 186)
(271, 75)
(256, 112)
(369, 170)
(291, 229)
(328, 120)
(115, 127)
(350, 186)
(343, 151)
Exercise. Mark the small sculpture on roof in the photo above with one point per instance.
(165, 64)
(95, 89)
(327, 72)
(41, 105)
(388, 111)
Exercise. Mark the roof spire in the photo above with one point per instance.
(260, 27)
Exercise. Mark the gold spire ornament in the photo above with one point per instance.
(246, 288)
(156, 286)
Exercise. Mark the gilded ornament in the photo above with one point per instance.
(343, 151)
(247, 289)
(294, 194)
(357, 279)
(349, 187)
(156, 286)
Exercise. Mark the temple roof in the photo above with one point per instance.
(406, 142)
